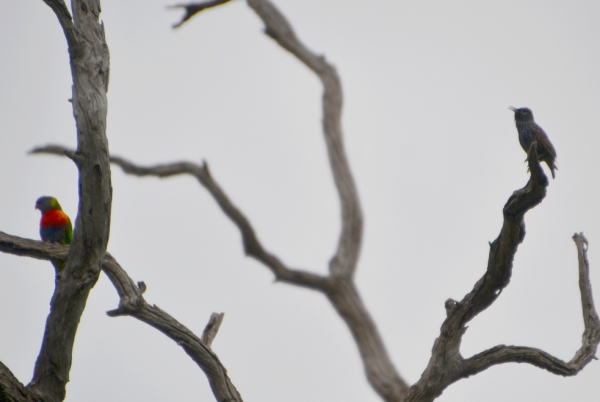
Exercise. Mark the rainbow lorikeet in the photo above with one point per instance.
(55, 225)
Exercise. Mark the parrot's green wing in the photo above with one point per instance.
(68, 234)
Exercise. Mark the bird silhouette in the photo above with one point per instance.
(530, 131)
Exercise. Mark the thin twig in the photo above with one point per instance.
(212, 327)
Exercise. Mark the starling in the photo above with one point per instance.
(529, 131)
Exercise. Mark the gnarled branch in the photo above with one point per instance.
(131, 303)
(446, 364)
(89, 68)
(519, 354)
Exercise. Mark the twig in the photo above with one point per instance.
(212, 327)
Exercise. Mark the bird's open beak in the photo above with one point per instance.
(512, 108)
(37, 206)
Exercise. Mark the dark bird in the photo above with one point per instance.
(529, 131)
(55, 225)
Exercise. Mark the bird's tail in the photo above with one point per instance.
(58, 265)
(552, 167)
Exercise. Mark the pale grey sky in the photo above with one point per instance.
(431, 143)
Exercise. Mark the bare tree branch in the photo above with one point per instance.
(379, 369)
(447, 365)
(590, 339)
(252, 245)
(212, 327)
(89, 67)
(338, 286)
(517, 354)
(193, 9)
(277, 27)
(131, 303)
(66, 22)
(590, 316)
(87, 254)
(339, 289)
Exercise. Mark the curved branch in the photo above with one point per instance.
(519, 354)
(590, 316)
(66, 22)
(252, 244)
(379, 369)
(338, 287)
(277, 27)
(131, 303)
(446, 364)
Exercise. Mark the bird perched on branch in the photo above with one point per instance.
(529, 131)
(55, 225)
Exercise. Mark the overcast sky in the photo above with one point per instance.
(435, 155)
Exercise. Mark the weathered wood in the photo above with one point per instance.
(89, 61)
(131, 303)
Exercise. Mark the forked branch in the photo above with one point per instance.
(447, 365)
(131, 303)
(341, 290)
(278, 28)
(590, 339)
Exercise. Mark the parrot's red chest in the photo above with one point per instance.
(54, 217)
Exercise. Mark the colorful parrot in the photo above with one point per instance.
(55, 225)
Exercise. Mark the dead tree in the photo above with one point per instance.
(87, 255)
